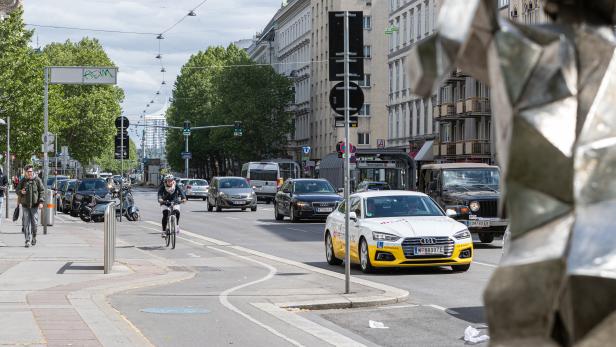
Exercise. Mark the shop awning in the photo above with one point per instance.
(425, 153)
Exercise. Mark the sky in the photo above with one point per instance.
(217, 22)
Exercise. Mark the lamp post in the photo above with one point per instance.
(8, 161)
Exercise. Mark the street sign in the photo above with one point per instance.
(186, 155)
(83, 75)
(306, 149)
(336, 46)
(186, 132)
(353, 122)
(120, 120)
(356, 98)
(380, 143)
(49, 139)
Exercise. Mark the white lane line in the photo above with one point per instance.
(191, 241)
(484, 264)
(224, 296)
(397, 306)
(232, 218)
(197, 236)
(193, 255)
(294, 229)
(440, 308)
(320, 332)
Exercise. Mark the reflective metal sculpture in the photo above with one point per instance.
(554, 105)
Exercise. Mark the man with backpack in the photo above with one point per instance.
(31, 193)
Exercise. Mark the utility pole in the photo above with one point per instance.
(347, 158)
(46, 132)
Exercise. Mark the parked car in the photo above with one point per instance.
(66, 195)
(264, 177)
(196, 188)
(231, 192)
(471, 191)
(397, 229)
(61, 185)
(51, 180)
(372, 185)
(305, 198)
(88, 186)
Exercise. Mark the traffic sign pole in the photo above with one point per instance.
(186, 158)
(347, 171)
(45, 132)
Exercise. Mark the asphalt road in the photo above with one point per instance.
(442, 303)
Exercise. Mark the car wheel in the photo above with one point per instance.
(218, 208)
(277, 214)
(293, 216)
(329, 251)
(204, 199)
(364, 257)
(460, 268)
(486, 238)
(254, 208)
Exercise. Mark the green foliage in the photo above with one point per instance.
(220, 86)
(107, 162)
(21, 87)
(83, 115)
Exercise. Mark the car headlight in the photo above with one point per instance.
(474, 206)
(302, 204)
(377, 236)
(462, 234)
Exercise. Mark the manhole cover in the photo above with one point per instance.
(175, 310)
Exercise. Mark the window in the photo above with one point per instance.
(363, 138)
(411, 27)
(367, 22)
(367, 51)
(419, 22)
(404, 39)
(365, 110)
(366, 81)
(427, 12)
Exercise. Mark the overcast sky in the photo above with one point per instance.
(218, 22)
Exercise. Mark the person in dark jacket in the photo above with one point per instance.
(168, 194)
(4, 185)
(31, 194)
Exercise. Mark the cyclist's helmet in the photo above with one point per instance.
(168, 177)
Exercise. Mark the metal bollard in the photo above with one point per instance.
(49, 209)
(110, 237)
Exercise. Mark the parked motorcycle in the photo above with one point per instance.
(130, 210)
(91, 207)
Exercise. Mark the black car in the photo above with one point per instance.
(372, 185)
(304, 198)
(88, 187)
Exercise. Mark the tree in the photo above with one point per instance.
(21, 86)
(82, 115)
(221, 86)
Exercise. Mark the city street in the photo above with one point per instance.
(441, 303)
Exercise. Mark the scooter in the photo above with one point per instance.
(91, 207)
(129, 209)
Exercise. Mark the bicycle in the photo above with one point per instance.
(172, 225)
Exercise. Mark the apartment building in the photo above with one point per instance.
(155, 138)
(372, 127)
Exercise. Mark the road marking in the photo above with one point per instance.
(484, 264)
(397, 306)
(204, 238)
(224, 296)
(294, 229)
(191, 241)
(193, 255)
(441, 308)
(233, 218)
(308, 326)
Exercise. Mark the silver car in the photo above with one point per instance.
(231, 192)
(196, 188)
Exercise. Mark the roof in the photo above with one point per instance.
(376, 193)
(306, 179)
(458, 166)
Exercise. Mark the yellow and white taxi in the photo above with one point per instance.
(397, 229)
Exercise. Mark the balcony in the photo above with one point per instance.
(460, 107)
(447, 110)
(478, 106)
(477, 147)
(447, 149)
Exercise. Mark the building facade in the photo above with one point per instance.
(372, 127)
(154, 137)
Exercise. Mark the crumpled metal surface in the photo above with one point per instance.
(554, 108)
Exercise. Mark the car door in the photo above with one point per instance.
(287, 196)
(280, 198)
(354, 229)
(337, 230)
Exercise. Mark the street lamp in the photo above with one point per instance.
(8, 161)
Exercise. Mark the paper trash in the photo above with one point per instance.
(376, 325)
(472, 335)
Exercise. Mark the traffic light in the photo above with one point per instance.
(186, 130)
(237, 129)
(121, 138)
(336, 46)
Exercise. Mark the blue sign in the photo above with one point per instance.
(186, 155)
(306, 149)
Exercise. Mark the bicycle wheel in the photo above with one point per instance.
(172, 230)
(167, 236)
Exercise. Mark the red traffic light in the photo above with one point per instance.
(341, 148)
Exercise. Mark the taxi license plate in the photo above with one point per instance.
(479, 223)
(238, 202)
(429, 250)
(324, 209)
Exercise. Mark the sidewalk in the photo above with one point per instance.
(55, 293)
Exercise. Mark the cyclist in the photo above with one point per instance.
(169, 193)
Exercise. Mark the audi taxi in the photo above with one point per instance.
(397, 229)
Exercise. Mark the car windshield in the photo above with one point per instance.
(400, 206)
(234, 183)
(471, 179)
(199, 183)
(313, 187)
(92, 185)
(263, 175)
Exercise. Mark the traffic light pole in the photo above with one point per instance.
(347, 159)
(186, 158)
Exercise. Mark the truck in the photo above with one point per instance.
(469, 193)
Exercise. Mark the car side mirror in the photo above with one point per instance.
(353, 216)
(451, 213)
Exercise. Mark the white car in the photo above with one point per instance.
(397, 229)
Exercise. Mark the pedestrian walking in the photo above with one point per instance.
(31, 193)
(4, 185)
